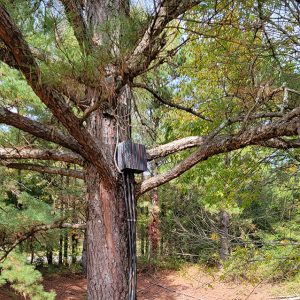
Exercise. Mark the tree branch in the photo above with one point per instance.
(7, 57)
(43, 169)
(175, 146)
(41, 154)
(286, 126)
(152, 41)
(281, 143)
(39, 130)
(13, 39)
(194, 141)
(74, 14)
(168, 103)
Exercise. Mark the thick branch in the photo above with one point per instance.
(74, 14)
(37, 129)
(151, 43)
(7, 57)
(45, 154)
(43, 169)
(175, 146)
(13, 39)
(281, 144)
(168, 103)
(194, 141)
(287, 126)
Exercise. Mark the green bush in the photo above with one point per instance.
(23, 278)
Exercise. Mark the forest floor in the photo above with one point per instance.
(189, 283)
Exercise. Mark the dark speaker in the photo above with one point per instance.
(132, 157)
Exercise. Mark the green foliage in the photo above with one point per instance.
(23, 278)
(276, 262)
(21, 210)
(171, 262)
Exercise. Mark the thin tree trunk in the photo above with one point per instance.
(153, 226)
(74, 248)
(66, 246)
(49, 255)
(163, 212)
(147, 236)
(31, 251)
(143, 233)
(224, 222)
(84, 255)
(74, 237)
(60, 251)
(224, 237)
(66, 234)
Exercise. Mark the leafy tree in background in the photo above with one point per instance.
(83, 59)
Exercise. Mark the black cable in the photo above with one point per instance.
(128, 178)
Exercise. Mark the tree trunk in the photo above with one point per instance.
(66, 246)
(75, 236)
(74, 247)
(84, 255)
(107, 258)
(224, 222)
(147, 236)
(153, 226)
(224, 238)
(143, 232)
(162, 216)
(49, 255)
(107, 230)
(60, 251)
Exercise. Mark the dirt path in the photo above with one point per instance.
(189, 284)
(192, 283)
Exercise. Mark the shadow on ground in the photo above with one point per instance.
(188, 284)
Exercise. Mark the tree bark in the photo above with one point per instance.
(107, 229)
(34, 153)
(107, 257)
